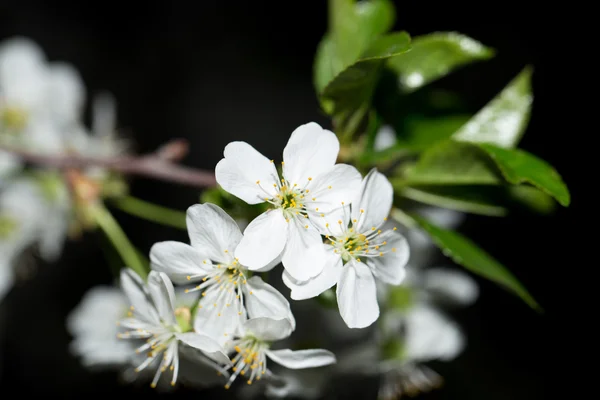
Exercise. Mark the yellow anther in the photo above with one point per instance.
(272, 161)
(385, 219)
(153, 385)
(339, 221)
(322, 215)
(380, 254)
(188, 277)
(373, 228)
(393, 249)
(329, 187)
(309, 178)
(358, 259)
(314, 199)
(306, 226)
(186, 290)
(249, 382)
(251, 292)
(258, 182)
(239, 350)
(395, 228)
(362, 211)
(282, 164)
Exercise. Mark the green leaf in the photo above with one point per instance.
(436, 55)
(461, 198)
(466, 253)
(150, 211)
(353, 87)
(452, 163)
(503, 120)
(532, 198)
(328, 298)
(518, 166)
(352, 27)
(481, 199)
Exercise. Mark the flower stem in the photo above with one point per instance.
(119, 240)
(149, 211)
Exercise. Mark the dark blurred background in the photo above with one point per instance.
(222, 71)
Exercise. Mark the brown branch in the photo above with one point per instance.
(158, 165)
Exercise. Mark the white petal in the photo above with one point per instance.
(263, 241)
(303, 256)
(205, 344)
(6, 277)
(385, 138)
(268, 329)
(310, 151)
(22, 72)
(263, 300)
(138, 297)
(162, 293)
(390, 267)
(334, 188)
(452, 285)
(178, 261)
(320, 283)
(97, 312)
(431, 336)
(302, 358)
(375, 199)
(220, 322)
(357, 296)
(66, 92)
(212, 231)
(241, 169)
(270, 265)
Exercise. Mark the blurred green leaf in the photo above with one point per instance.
(518, 166)
(461, 198)
(393, 349)
(452, 163)
(504, 119)
(481, 199)
(466, 253)
(434, 56)
(353, 87)
(328, 298)
(400, 297)
(352, 27)
(532, 199)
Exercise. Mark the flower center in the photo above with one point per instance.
(250, 360)
(222, 287)
(13, 119)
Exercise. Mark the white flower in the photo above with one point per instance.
(228, 295)
(385, 138)
(26, 219)
(92, 324)
(312, 186)
(358, 254)
(39, 101)
(154, 316)
(253, 347)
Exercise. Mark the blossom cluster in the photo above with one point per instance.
(326, 226)
(41, 112)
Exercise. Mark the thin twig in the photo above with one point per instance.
(158, 165)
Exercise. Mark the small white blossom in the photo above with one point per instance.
(92, 324)
(253, 347)
(228, 295)
(168, 329)
(358, 254)
(312, 186)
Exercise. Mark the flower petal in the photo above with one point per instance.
(263, 241)
(303, 256)
(332, 223)
(138, 297)
(430, 335)
(375, 199)
(263, 300)
(334, 188)
(212, 231)
(310, 151)
(66, 92)
(163, 295)
(241, 169)
(178, 261)
(206, 344)
(215, 318)
(269, 329)
(390, 267)
(320, 283)
(302, 358)
(454, 286)
(357, 295)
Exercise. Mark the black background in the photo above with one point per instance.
(223, 71)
